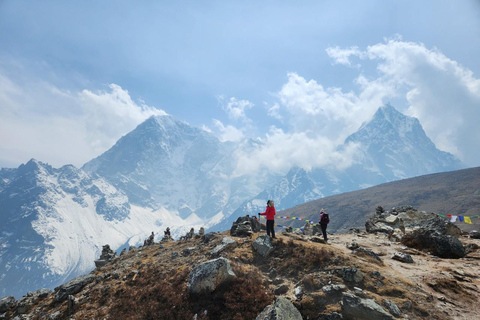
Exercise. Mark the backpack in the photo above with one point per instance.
(325, 219)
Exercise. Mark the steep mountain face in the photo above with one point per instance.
(396, 147)
(54, 222)
(170, 163)
(393, 146)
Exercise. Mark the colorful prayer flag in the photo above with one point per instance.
(460, 218)
(467, 220)
(453, 219)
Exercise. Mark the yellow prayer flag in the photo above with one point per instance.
(467, 220)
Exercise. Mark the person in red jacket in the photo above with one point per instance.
(270, 213)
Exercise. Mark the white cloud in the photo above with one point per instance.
(273, 112)
(109, 115)
(342, 56)
(441, 93)
(39, 120)
(228, 132)
(282, 150)
(236, 108)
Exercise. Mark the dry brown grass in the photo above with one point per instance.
(158, 291)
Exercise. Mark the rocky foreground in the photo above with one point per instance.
(359, 275)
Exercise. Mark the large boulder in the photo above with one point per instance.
(282, 309)
(441, 226)
(441, 245)
(73, 286)
(245, 226)
(263, 245)
(475, 234)
(354, 307)
(206, 277)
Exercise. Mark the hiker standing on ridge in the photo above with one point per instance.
(324, 220)
(270, 213)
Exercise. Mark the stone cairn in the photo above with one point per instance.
(107, 255)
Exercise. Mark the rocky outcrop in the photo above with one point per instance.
(73, 286)
(6, 303)
(354, 307)
(245, 226)
(206, 277)
(263, 245)
(282, 309)
(407, 217)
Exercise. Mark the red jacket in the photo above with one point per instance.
(270, 213)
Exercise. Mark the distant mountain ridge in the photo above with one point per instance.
(394, 146)
(168, 173)
(454, 192)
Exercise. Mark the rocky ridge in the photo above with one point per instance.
(358, 275)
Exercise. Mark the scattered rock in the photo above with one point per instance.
(317, 240)
(282, 309)
(227, 243)
(263, 245)
(402, 257)
(206, 277)
(353, 245)
(174, 255)
(281, 290)
(333, 288)
(299, 292)
(73, 286)
(392, 307)
(471, 247)
(357, 308)
(350, 275)
(367, 252)
(188, 251)
(357, 290)
(208, 237)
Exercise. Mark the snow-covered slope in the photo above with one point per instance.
(55, 221)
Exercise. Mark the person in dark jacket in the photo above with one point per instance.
(270, 214)
(324, 220)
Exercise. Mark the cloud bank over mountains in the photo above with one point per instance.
(307, 121)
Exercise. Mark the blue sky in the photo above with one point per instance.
(301, 75)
